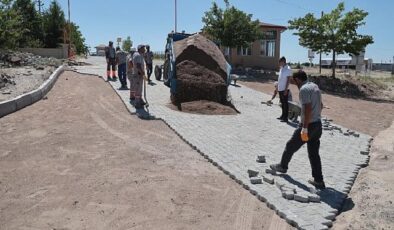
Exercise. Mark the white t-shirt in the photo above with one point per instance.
(284, 74)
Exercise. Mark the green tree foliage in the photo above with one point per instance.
(127, 44)
(54, 25)
(231, 27)
(32, 35)
(11, 25)
(77, 39)
(334, 32)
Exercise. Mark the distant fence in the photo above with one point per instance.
(60, 53)
(382, 66)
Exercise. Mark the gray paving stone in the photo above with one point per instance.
(270, 171)
(253, 173)
(256, 180)
(257, 131)
(314, 198)
(289, 195)
(261, 159)
(301, 198)
(268, 178)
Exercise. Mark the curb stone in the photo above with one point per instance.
(21, 101)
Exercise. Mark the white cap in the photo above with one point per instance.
(133, 49)
(140, 46)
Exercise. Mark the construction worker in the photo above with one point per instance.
(130, 73)
(121, 59)
(111, 61)
(283, 86)
(139, 75)
(289, 97)
(148, 57)
(309, 131)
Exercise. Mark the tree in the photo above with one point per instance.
(32, 35)
(11, 25)
(231, 27)
(334, 32)
(77, 39)
(54, 23)
(127, 44)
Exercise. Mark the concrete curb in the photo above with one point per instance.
(20, 102)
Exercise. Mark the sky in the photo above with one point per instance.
(149, 21)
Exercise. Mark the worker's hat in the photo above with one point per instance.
(133, 49)
(140, 46)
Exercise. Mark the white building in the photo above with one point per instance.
(360, 63)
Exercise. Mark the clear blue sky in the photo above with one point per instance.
(149, 21)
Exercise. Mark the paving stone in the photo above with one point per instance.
(261, 159)
(364, 152)
(253, 173)
(256, 131)
(301, 198)
(270, 171)
(314, 198)
(289, 195)
(268, 178)
(256, 180)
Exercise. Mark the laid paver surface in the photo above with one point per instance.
(79, 160)
(232, 143)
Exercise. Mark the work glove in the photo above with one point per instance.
(145, 78)
(304, 135)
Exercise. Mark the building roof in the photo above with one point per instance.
(100, 46)
(268, 25)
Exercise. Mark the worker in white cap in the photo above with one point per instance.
(130, 72)
(139, 75)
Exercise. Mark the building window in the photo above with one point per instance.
(227, 51)
(267, 48)
(244, 51)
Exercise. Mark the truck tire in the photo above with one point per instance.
(158, 72)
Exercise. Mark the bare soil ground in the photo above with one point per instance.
(78, 160)
(364, 116)
(370, 202)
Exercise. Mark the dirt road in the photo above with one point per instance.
(79, 160)
(364, 116)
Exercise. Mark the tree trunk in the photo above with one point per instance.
(334, 64)
(320, 62)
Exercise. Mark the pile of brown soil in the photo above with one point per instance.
(195, 82)
(349, 87)
(200, 71)
(203, 51)
(205, 107)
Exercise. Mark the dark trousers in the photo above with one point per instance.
(284, 100)
(149, 69)
(122, 74)
(295, 143)
(111, 63)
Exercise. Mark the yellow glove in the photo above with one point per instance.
(304, 135)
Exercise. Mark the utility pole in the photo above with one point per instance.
(322, 13)
(69, 29)
(392, 66)
(176, 16)
(39, 6)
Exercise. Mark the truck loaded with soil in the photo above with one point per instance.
(199, 83)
